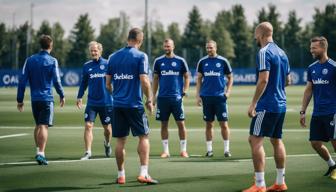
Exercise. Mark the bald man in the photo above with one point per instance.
(172, 79)
(268, 108)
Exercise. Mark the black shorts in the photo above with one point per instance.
(43, 112)
(323, 128)
(214, 105)
(105, 113)
(167, 106)
(126, 119)
(267, 124)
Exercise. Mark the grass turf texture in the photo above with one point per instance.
(65, 145)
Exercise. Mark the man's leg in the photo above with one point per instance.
(143, 151)
(107, 141)
(208, 136)
(226, 137)
(323, 152)
(183, 138)
(88, 138)
(164, 138)
(120, 159)
(258, 156)
(42, 137)
(36, 132)
(280, 160)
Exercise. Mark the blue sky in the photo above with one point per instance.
(168, 11)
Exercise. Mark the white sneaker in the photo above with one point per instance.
(86, 156)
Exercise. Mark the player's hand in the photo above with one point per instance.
(79, 103)
(227, 95)
(62, 101)
(251, 111)
(20, 106)
(303, 120)
(198, 101)
(150, 107)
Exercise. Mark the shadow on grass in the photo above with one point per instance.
(51, 189)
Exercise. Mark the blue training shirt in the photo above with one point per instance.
(213, 70)
(273, 59)
(125, 66)
(93, 76)
(41, 70)
(170, 72)
(323, 78)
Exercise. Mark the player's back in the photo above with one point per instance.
(125, 67)
(40, 69)
(273, 59)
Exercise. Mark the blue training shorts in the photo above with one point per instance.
(168, 105)
(126, 119)
(323, 128)
(105, 114)
(267, 124)
(43, 112)
(214, 105)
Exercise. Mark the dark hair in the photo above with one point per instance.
(133, 34)
(45, 41)
(323, 41)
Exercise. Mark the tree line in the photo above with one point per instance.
(234, 36)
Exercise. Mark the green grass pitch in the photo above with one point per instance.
(65, 146)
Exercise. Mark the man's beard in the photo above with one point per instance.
(318, 56)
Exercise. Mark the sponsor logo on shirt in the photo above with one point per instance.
(170, 72)
(97, 75)
(212, 73)
(320, 81)
(122, 77)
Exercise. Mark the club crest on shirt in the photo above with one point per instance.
(332, 123)
(206, 64)
(173, 64)
(102, 67)
(218, 65)
(325, 71)
(162, 64)
(90, 69)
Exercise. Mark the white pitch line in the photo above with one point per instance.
(14, 135)
(104, 159)
(190, 129)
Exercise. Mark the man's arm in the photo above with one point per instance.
(155, 86)
(307, 95)
(57, 84)
(146, 89)
(22, 87)
(83, 86)
(108, 84)
(198, 88)
(229, 85)
(186, 82)
(288, 80)
(260, 88)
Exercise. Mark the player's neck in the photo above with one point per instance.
(324, 58)
(171, 55)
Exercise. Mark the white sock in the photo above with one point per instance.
(144, 170)
(260, 179)
(226, 146)
(331, 162)
(41, 153)
(88, 152)
(121, 173)
(280, 179)
(209, 145)
(183, 145)
(165, 146)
